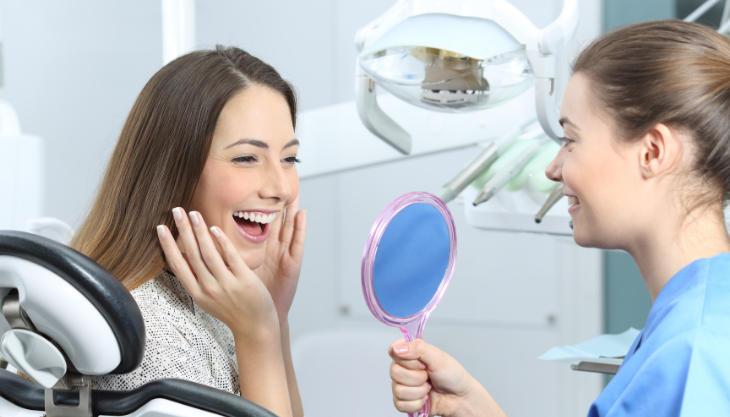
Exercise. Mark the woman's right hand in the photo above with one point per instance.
(419, 370)
(227, 290)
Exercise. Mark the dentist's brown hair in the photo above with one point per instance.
(160, 156)
(670, 72)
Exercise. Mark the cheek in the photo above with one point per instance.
(219, 190)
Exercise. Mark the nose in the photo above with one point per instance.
(554, 170)
(276, 184)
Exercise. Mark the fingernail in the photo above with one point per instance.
(194, 218)
(425, 397)
(161, 231)
(215, 231)
(421, 366)
(401, 349)
(177, 214)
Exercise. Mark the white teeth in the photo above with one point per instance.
(572, 200)
(255, 217)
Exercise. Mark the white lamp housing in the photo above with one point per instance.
(458, 56)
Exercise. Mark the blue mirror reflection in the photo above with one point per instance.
(411, 260)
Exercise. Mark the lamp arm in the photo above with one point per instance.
(374, 118)
(557, 34)
(543, 66)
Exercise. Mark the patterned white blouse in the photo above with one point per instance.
(183, 341)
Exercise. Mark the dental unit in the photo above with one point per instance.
(460, 57)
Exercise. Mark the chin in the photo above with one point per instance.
(586, 238)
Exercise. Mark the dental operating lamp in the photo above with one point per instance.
(458, 56)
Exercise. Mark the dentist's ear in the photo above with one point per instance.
(659, 151)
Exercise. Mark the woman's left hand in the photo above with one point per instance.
(283, 262)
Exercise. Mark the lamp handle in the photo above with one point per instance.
(374, 118)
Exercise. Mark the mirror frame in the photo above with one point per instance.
(411, 326)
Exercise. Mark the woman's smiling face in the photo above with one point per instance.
(250, 176)
(600, 175)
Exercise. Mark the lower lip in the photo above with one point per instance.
(573, 208)
(255, 239)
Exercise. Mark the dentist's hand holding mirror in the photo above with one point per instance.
(407, 264)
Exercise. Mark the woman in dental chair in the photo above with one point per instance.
(197, 215)
(645, 164)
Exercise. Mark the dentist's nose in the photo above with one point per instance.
(554, 170)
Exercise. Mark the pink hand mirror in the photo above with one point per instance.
(408, 262)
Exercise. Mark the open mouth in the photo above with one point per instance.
(572, 200)
(254, 225)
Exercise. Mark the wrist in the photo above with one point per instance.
(480, 403)
(260, 334)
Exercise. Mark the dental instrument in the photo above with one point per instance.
(553, 198)
(504, 176)
(480, 163)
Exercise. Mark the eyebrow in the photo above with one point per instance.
(564, 120)
(260, 143)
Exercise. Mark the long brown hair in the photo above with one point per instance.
(669, 72)
(160, 156)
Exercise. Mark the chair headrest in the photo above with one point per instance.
(67, 268)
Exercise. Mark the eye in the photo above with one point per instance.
(292, 160)
(248, 159)
(566, 141)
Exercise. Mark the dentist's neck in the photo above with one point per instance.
(671, 243)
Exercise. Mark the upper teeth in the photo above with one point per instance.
(572, 200)
(256, 217)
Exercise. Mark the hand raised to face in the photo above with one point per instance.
(220, 282)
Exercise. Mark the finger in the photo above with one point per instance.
(409, 406)
(416, 349)
(288, 226)
(208, 251)
(406, 393)
(296, 249)
(177, 262)
(192, 250)
(232, 258)
(406, 376)
(275, 230)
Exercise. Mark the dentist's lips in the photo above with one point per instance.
(573, 203)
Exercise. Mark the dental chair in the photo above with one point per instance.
(65, 318)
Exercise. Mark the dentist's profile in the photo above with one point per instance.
(197, 215)
(645, 165)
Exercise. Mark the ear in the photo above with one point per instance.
(659, 151)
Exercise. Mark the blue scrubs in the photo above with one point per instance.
(679, 365)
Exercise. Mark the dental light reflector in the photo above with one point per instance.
(443, 80)
(448, 63)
